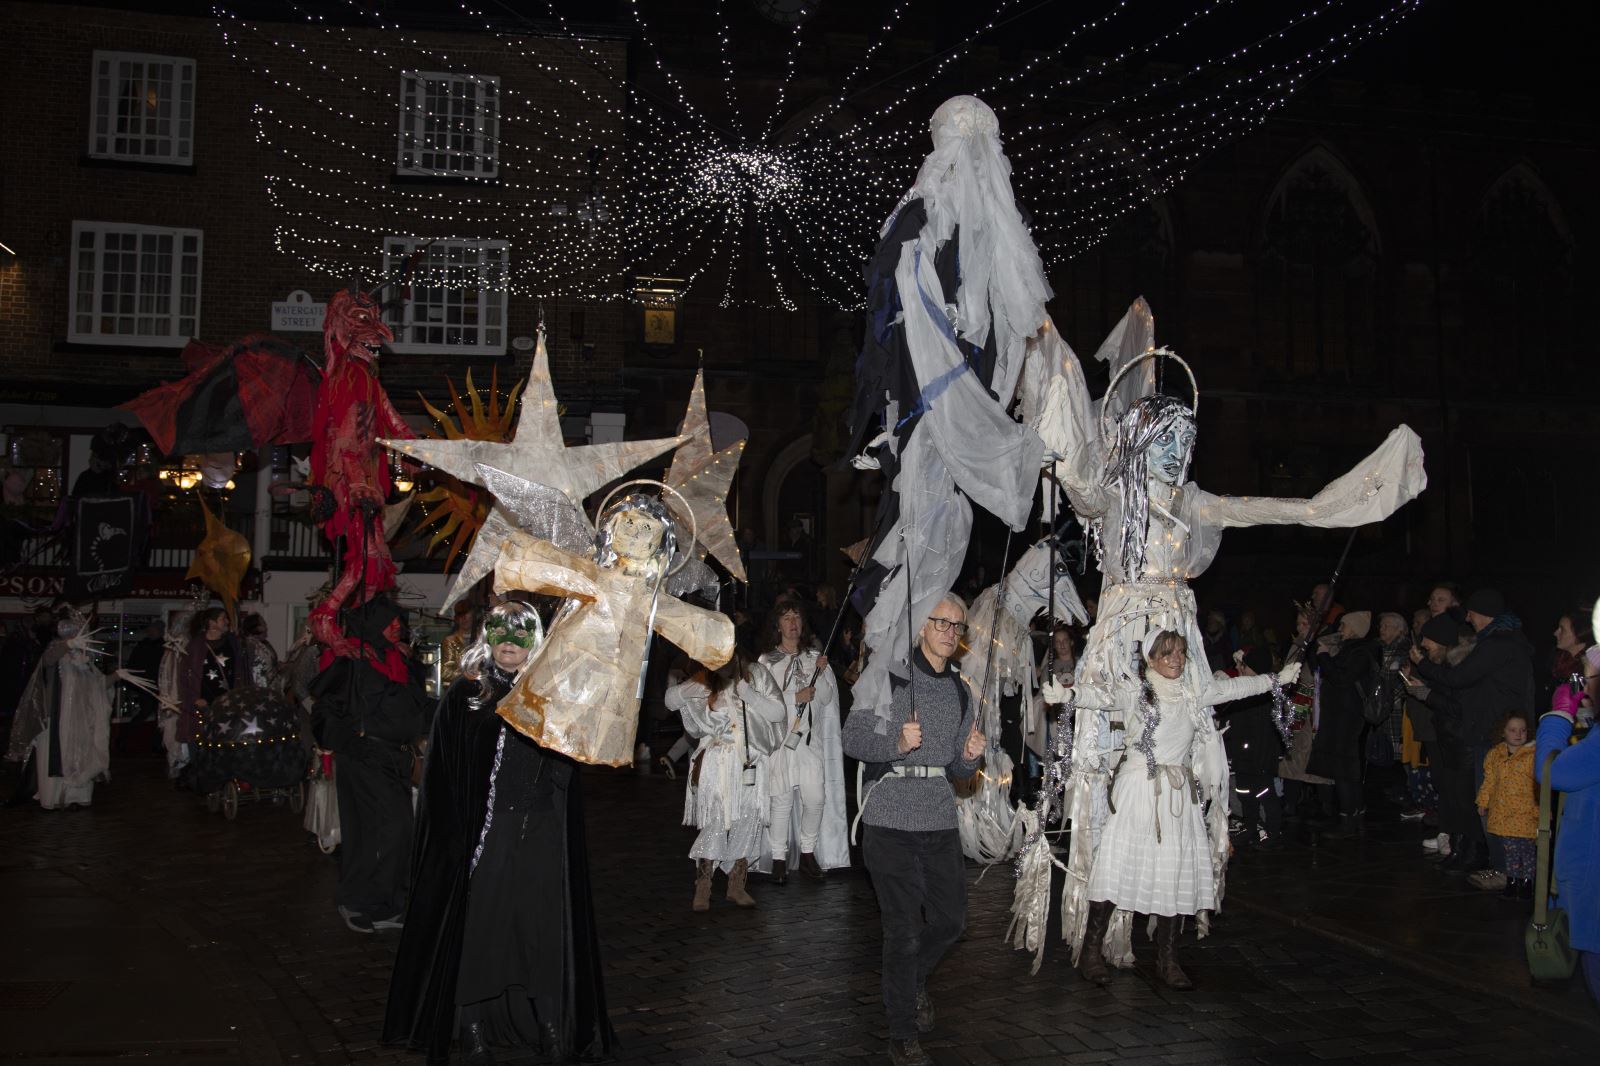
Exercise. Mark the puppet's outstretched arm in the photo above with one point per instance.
(1370, 492)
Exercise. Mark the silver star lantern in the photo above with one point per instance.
(703, 477)
(535, 453)
(538, 509)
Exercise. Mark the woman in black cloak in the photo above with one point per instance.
(500, 933)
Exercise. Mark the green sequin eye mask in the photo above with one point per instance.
(522, 638)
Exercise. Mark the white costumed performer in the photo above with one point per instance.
(805, 774)
(738, 717)
(1159, 849)
(1155, 532)
(64, 718)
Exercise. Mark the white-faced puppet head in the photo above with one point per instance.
(1154, 442)
(1166, 458)
(638, 534)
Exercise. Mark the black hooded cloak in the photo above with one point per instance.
(500, 927)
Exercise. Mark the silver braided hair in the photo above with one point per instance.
(1146, 420)
(512, 614)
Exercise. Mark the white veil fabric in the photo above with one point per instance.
(966, 182)
(964, 443)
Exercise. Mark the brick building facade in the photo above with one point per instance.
(1376, 252)
(52, 180)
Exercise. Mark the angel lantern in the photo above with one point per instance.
(1155, 532)
(580, 695)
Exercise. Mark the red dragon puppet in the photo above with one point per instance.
(352, 413)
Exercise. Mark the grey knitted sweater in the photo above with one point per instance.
(915, 804)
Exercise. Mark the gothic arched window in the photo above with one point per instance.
(1316, 282)
(1520, 312)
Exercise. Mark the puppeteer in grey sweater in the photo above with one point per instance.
(915, 804)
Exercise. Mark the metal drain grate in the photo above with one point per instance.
(29, 995)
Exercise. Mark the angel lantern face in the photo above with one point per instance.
(638, 534)
(1167, 456)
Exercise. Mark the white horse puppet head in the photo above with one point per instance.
(999, 656)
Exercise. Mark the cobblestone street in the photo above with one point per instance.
(148, 928)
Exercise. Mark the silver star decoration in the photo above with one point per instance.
(703, 476)
(251, 728)
(536, 453)
(212, 675)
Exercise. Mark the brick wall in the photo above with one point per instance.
(47, 183)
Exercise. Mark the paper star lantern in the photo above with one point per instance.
(703, 477)
(220, 560)
(537, 453)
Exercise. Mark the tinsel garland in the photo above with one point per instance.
(1030, 907)
(488, 814)
(1281, 714)
(1151, 714)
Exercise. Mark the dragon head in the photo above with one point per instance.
(353, 327)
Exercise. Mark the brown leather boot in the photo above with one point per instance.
(810, 867)
(736, 877)
(1092, 959)
(702, 884)
(1167, 967)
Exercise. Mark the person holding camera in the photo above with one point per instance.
(738, 716)
(912, 847)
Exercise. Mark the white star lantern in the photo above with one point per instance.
(537, 453)
(703, 477)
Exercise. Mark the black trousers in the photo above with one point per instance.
(375, 829)
(1259, 803)
(921, 882)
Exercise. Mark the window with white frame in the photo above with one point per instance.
(137, 285)
(458, 297)
(449, 124)
(142, 108)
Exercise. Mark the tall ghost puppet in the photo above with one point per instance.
(1124, 464)
(955, 290)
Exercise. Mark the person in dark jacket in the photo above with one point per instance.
(1445, 642)
(370, 715)
(1254, 747)
(500, 936)
(1348, 674)
(1495, 679)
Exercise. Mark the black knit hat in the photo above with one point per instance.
(1258, 659)
(1487, 602)
(1442, 630)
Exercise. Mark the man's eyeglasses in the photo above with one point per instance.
(945, 625)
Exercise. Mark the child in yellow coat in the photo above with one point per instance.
(1511, 803)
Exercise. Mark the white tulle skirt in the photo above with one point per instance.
(730, 814)
(1154, 855)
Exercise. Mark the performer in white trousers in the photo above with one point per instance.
(738, 718)
(810, 761)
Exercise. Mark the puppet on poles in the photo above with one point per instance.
(1123, 461)
(955, 290)
(347, 464)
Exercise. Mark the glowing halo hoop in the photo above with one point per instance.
(1152, 353)
(686, 551)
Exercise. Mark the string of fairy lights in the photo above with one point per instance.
(730, 180)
